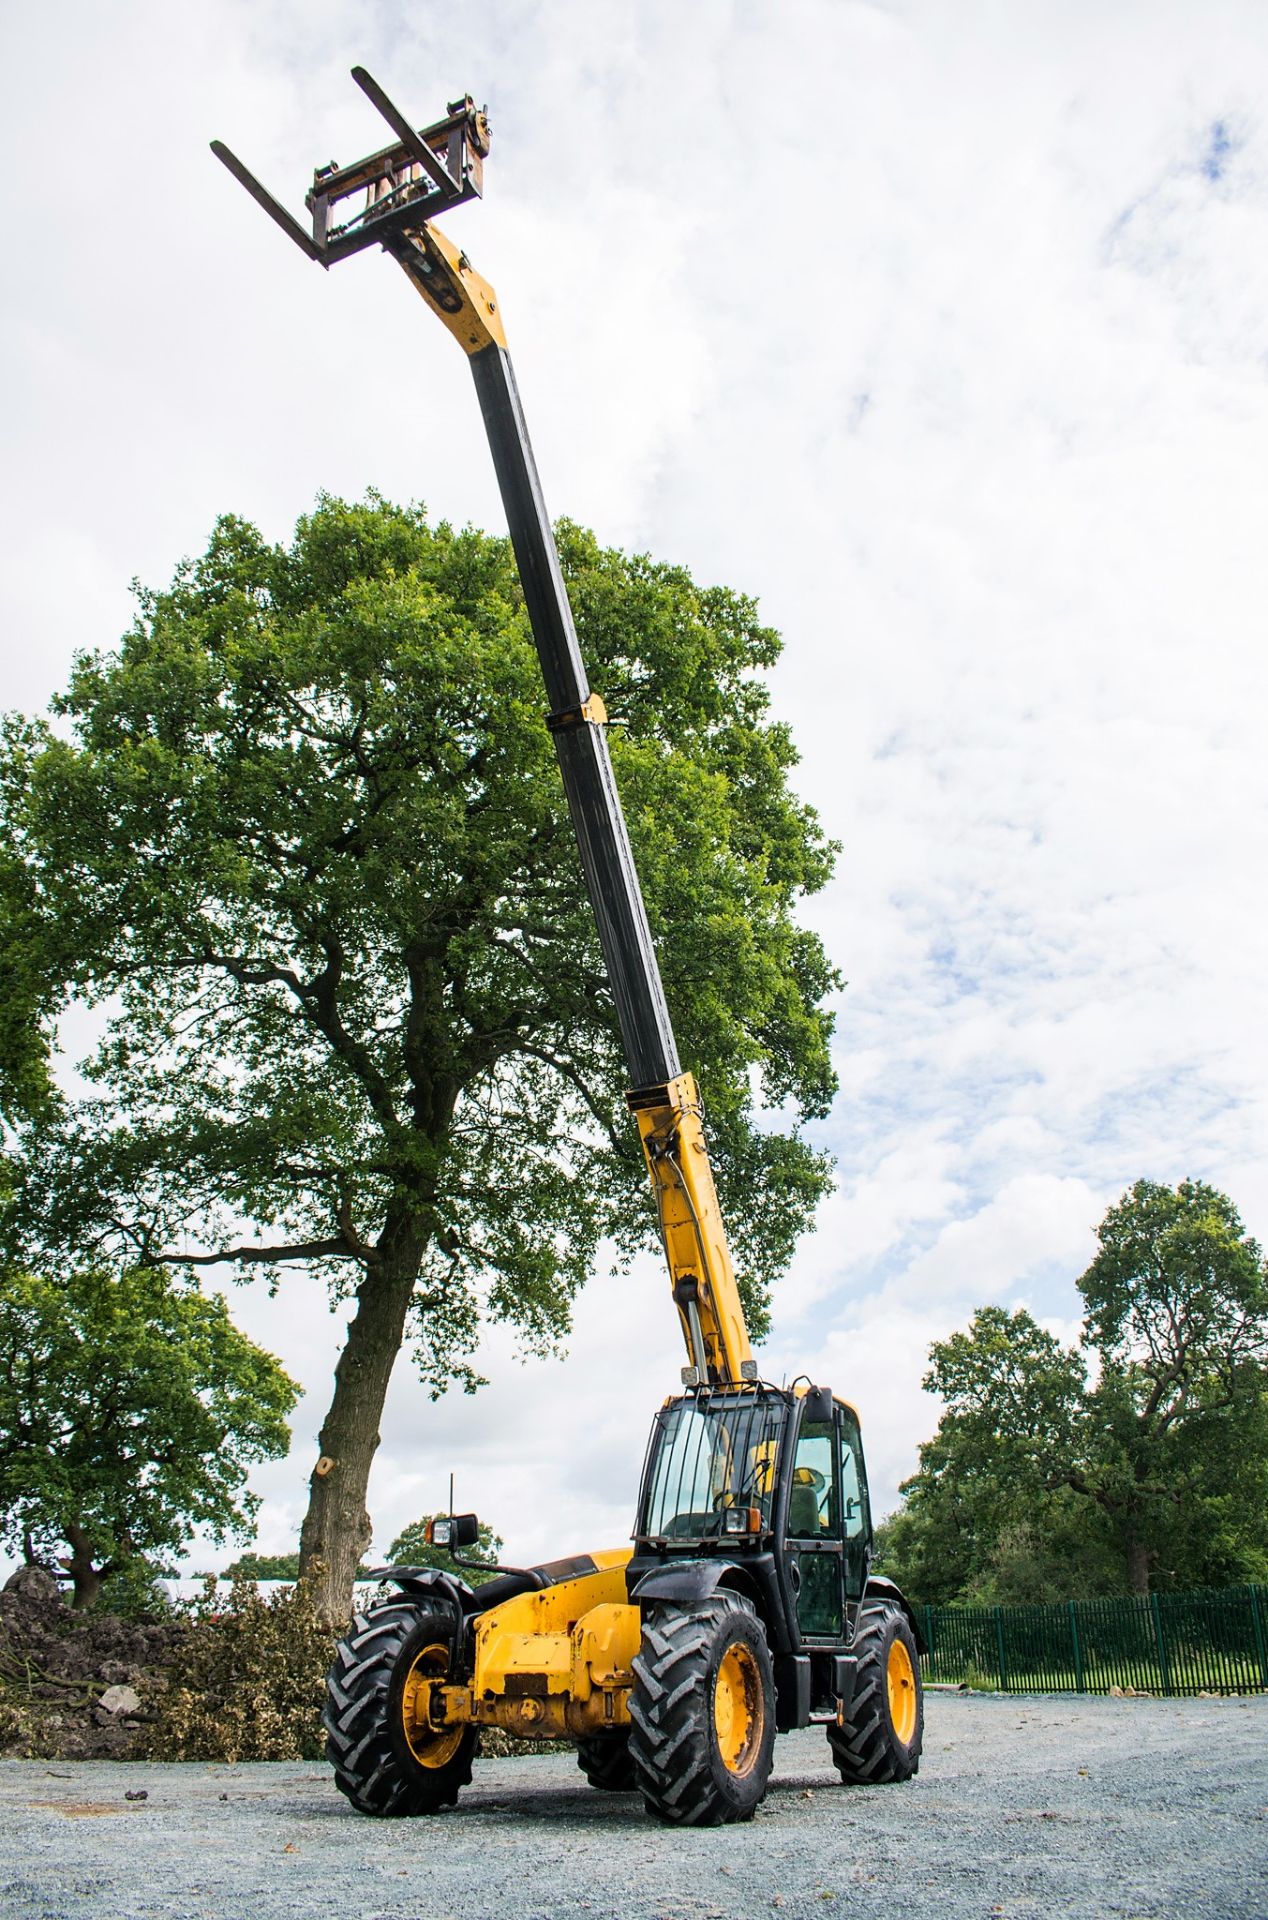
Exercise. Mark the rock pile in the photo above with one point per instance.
(75, 1686)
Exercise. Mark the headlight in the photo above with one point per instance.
(741, 1520)
(454, 1530)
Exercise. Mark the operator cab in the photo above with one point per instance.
(773, 1481)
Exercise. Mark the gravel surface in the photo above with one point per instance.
(1148, 1809)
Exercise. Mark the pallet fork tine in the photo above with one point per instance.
(427, 172)
(429, 160)
(274, 208)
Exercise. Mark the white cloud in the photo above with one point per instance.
(942, 330)
(1035, 1222)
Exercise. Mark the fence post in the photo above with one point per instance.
(929, 1634)
(999, 1642)
(1161, 1639)
(1258, 1620)
(1078, 1651)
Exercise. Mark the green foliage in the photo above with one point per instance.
(302, 841)
(411, 1548)
(1177, 1421)
(264, 1566)
(251, 1680)
(1013, 1399)
(28, 968)
(1044, 1480)
(302, 846)
(130, 1410)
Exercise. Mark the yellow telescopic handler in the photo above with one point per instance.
(745, 1607)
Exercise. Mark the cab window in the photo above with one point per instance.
(812, 1500)
(856, 1519)
(853, 1484)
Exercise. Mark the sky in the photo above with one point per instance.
(941, 329)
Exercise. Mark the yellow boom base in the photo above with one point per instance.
(671, 1126)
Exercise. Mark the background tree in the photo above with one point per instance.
(982, 1519)
(302, 840)
(29, 997)
(1177, 1315)
(1042, 1481)
(130, 1410)
(263, 1566)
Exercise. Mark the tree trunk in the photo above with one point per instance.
(336, 1530)
(1138, 1558)
(82, 1569)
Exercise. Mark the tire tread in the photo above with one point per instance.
(865, 1750)
(605, 1760)
(671, 1718)
(369, 1770)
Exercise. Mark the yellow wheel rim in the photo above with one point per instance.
(430, 1746)
(739, 1708)
(900, 1680)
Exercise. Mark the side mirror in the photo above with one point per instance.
(454, 1530)
(818, 1406)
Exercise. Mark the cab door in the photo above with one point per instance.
(856, 1518)
(815, 1538)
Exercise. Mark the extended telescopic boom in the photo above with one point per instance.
(404, 186)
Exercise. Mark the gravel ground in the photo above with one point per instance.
(1148, 1809)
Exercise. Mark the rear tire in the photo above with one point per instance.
(383, 1762)
(703, 1712)
(605, 1760)
(881, 1740)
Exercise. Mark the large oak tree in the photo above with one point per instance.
(301, 842)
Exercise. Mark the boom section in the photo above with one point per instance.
(399, 183)
(576, 715)
(577, 719)
(664, 1099)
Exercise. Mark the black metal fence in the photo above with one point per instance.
(1208, 1642)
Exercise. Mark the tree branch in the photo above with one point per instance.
(320, 1001)
(339, 1249)
(572, 1075)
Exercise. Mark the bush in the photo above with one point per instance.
(249, 1683)
(251, 1679)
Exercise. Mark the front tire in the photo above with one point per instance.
(881, 1740)
(703, 1712)
(384, 1762)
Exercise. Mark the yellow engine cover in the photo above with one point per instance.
(554, 1663)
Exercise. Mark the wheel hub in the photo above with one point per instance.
(430, 1746)
(900, 1680)
(738, 1708)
